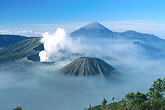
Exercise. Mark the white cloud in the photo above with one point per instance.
(5, 32)
(28, 33)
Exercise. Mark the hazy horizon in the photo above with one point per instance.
(47, 15)
(36, 30)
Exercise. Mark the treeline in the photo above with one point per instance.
(18, 108)
(152, 100)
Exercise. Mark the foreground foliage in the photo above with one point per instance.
(152, 100)
(18, 108)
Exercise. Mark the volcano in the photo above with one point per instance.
(93, 30)
(88, 66)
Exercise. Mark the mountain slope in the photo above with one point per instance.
(27, 48)
(93, 29)
(149, 39)
(146, 47)
(6, 40)
(87, 66)
(96, 30)
(150, 51)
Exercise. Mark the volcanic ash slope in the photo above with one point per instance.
(88, 66)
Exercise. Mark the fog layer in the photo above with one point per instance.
(42, 87)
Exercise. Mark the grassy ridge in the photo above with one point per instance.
(21, 49)
(6, 40)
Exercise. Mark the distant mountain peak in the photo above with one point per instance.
(93, 29)
(94, 25)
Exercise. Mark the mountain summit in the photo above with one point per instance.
(89, 66)
(94, 25)
(92, 30)
(97, 30)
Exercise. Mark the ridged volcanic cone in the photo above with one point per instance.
(88, 66)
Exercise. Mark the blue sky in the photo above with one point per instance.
(16, 12)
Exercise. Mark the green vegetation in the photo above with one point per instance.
(104, 102)
(26, 48)
(152, 100)
(6, 40)
(18, 108)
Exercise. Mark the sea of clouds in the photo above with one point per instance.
(42, 87)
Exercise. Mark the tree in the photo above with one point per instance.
(90, 106)
(18, 108)
(130, 96)
(104, 102)
(157, 89)
(156, 93)
(139, 98)
(152, 100)
(113, 98)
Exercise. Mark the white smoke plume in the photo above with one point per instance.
(56, 44)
